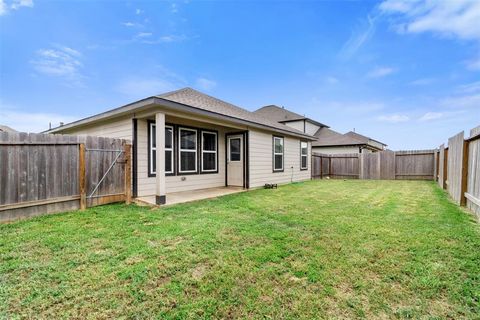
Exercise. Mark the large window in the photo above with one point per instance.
(209, 151)
(277, 154)
(303, 155)
(187, 142)
(152, 153)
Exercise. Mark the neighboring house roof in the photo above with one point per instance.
(188, 99)
(361, 137)
(280, 114)
(329, 137)
(4, 128)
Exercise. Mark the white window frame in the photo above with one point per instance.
(209, 151)
(278, 153)
(303, 143)
(171, 149)
(180, 150)
(152, 148)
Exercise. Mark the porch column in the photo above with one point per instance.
(160, 197)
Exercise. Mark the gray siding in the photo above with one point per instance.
(261, 166)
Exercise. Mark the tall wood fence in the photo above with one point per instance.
(459, 169)
(386, 165)
(41, 173)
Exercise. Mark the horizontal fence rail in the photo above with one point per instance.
(42, 173)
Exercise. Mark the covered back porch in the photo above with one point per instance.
(180, 157)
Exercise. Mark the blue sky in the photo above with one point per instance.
(403, 72)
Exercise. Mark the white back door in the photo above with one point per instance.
(235, 160)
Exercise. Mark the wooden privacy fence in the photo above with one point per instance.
(388, 165)
(41, 173)
(459, 169)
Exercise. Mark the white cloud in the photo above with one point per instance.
(138, 11)
(474, 64)
(173, 8)
(129, 24)
(459, 18)
(393, 118)
(144, 34)
(60, 61)
(3, 8)
(165, 39)
(14, 5)
(431, 116)
(379, 72)
(461, 101)
(422, 81)
(469, 87)
(27, 121)
(205, 84)
(358, 38)
(331, 80)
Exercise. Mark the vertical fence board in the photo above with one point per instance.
(455, 162)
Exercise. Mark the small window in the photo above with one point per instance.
(187, 150)
(303, 155)
(235, 149)
(153, 149)
(209, 151)
(277, 154)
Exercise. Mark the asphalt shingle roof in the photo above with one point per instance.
(281, 114)
(329, 137)
(194, 98)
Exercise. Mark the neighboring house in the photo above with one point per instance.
(291, 119)
(7, 129)
(327, 140)
(332, 142)
(186, 140)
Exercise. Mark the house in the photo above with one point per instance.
(332, 142)
(327, 140)
(186, 140)
(4, 128)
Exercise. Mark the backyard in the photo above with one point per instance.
(318, 249)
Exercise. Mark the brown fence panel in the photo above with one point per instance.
(473, 178)
(370, 166)
(415, 165)
(454, 170)
(344, 166)
(40, 173)
(387, 165)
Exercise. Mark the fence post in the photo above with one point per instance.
(330, 166)
(81, 176)
(128, 176)
(463, 189)
(445, 168)
(321, 167)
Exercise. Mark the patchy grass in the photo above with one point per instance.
(320, 249)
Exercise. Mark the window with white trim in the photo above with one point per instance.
(153, 149)
(277, 153)
(303, 155)
(209, 151)
(187, 149)
(169, 149)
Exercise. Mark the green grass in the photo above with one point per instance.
(320, 249)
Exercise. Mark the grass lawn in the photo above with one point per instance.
(319, 249)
